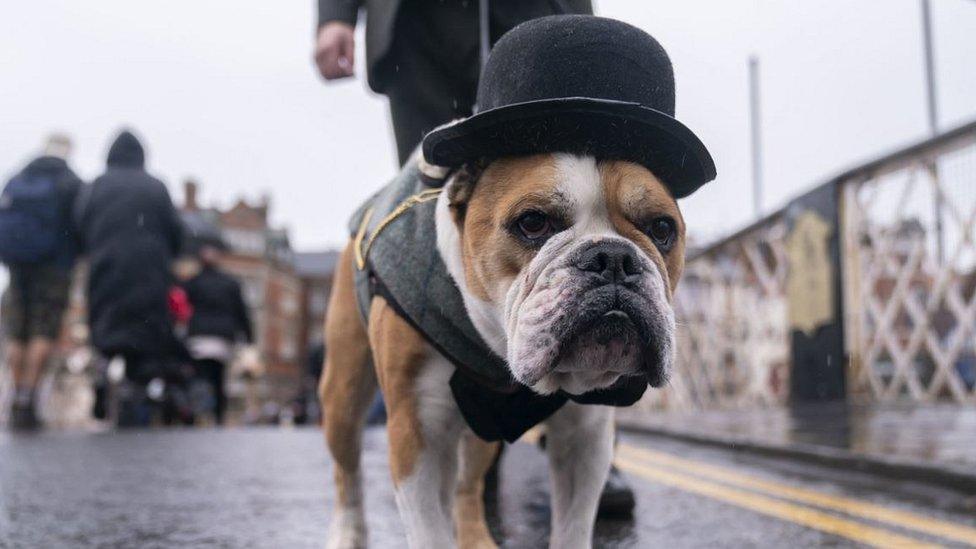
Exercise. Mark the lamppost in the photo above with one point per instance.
(933, 118)
(930, 90)
(756, 135)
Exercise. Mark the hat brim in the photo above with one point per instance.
(600, 127)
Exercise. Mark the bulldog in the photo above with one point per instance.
(564, 251)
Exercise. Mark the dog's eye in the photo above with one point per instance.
(662, 231)
(534, 225)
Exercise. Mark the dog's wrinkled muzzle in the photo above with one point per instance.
(602, 314)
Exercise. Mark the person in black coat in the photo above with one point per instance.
(220, 319)
(131, 233)
(423, 55)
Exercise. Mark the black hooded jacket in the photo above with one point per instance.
(218, 306)
(131, 233)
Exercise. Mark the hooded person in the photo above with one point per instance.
(131, 233)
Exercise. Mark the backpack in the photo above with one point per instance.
(29, 220)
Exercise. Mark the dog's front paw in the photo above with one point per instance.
(347, 531)
(474, 534)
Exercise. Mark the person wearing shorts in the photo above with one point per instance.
(33, 305)
(34, 302)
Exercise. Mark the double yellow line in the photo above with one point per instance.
(798, 505)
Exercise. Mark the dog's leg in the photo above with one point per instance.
(579, 439)
(424, 426)
(346, 389)
(469, 510)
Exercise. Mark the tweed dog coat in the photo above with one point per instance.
(396, 257)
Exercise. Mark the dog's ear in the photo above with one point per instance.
(460, 188)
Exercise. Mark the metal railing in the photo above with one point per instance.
(910, 273)
(907, 225)
(733, 348)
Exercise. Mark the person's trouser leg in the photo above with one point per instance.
(17, 323)
(415, 109)
(436, 62)
(14, 358)
(100, 407)
(220, 396)
(37, 300)
(435, 77)
(23, 396)
(134, 409)
(38, 353)
(31, 362)
(13, 309)
(211, 372)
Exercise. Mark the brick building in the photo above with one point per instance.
(315, 270)
(286, 292)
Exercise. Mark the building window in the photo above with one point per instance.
(289, 305)
(289, 349)
(244, 241)
(253, 293)
(318, 301)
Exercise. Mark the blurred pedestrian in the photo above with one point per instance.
(131, 233)
(424, 56)
(38, 246)
(249, 366)
(220, 319)
(314, 363)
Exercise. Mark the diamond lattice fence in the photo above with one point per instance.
(732, 338)
(910, 276)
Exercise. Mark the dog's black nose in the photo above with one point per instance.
(614, 261)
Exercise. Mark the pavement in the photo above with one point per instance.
(934, 441)
(269, 487)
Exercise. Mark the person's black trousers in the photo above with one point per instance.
(434, 62)
(212, 372)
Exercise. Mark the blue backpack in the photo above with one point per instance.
(29, 220)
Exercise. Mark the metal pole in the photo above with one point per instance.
(929, 68)
(757, 182)
(484, 31)
(933, 116)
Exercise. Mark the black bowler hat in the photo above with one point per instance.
(578, 84)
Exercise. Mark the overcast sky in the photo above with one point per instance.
(225, 91)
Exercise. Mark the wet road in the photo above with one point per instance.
(269, 488)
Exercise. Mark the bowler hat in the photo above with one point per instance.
(579, 84)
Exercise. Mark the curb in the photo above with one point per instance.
(945, 476)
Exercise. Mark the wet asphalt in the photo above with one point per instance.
(269, 487)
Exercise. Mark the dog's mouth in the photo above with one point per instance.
(613, 331)
(606, 345)
(583, 334)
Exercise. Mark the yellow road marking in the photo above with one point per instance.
(773, 507)
(850, 506)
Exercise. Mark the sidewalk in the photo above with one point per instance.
(931, 443)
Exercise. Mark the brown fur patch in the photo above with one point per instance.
(634, 196)
(469, 505)
(348, 383)
(490, 258)
(399, 352)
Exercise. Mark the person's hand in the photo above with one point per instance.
(334, 50)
